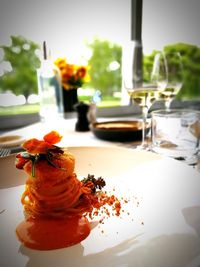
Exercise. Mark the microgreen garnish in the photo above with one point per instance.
(98, 183)
(48, 156)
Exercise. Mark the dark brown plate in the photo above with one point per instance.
(118, 130)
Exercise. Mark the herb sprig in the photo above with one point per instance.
(48, 156)
(98, 183)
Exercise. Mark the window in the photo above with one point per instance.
(67, 25)
(175, 24)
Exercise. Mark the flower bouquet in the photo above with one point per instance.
(72, 78)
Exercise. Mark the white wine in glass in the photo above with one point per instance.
(174, 76)
(148, 91)
(144, 96)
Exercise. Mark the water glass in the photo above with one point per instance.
(50, 92)
(176, 133)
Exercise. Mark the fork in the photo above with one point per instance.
(4, 152)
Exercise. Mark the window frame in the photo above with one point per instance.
(126, 108)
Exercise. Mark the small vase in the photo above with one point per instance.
(70, 98)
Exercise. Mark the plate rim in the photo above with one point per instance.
(120, 129)
(12, 143)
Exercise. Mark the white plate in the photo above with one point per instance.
(11, 140)
(164, 230)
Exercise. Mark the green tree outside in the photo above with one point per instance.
(22, 79)
(190, 55)
(105, 67)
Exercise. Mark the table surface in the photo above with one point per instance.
(171, 229)
(71, 137)
(66, 127)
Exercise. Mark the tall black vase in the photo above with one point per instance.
(70, 98)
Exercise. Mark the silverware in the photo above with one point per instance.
(4, 152)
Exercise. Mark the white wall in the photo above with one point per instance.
(169, 22)
(65, 24)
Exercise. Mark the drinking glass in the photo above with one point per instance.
(174, 76)
(175, 133)
(144, 89)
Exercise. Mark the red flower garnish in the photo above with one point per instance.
(52, 138)
(35, 146)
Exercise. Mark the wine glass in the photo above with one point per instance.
(144, 89)
(175, 77)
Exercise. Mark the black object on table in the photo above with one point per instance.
(82, 124)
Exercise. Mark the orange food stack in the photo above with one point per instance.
(52, 197)
(55, 201)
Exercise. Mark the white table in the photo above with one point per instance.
(170, 207)
(66, 127)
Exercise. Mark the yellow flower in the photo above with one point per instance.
(73, 76)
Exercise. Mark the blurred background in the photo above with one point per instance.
(91, 33)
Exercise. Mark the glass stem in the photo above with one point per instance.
(167, 105)
(144, 114)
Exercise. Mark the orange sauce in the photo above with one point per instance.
(48, 234)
